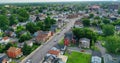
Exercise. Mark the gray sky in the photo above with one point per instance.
(9, 1)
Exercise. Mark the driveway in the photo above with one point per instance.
(101, 48)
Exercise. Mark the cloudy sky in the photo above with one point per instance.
(9, 1)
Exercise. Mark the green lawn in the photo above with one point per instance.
(61, 41)
(58, 30)
(77, 57)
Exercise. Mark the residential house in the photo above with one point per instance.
(37, 18)
(78, 24)
(112, 18)
(117, 27)
(113, 7)
(14, 26)
(13, 34)
(32, 18)
(68, 38)
(96, 59)
(42, 36)
(40, 17)
(94, 7)
(53, 29)
(54, 52)
(10, 34)
(8, 15)
(72, 16)
(29, 43)
(99, 30)
(52, 59)
(62, 48)
(49, 58)
(86, 15)
(13, 40)
(54, 56)
(14, 52)
(84, 43)
(4, 58)
(60, 23)
(20, 45)
(109, 59)
(5, 40)
(63, 58)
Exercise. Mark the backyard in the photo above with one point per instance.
(77, 57)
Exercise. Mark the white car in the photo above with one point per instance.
(55, 40)
(28, 61)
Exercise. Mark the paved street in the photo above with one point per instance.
(38, 55)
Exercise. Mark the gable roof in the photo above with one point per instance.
(13, 49)
(84, 40)
(5, 38)
(78, 23)
(54, 52)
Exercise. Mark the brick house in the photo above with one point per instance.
(14, 52)
(54, 52)
(68, 39)
(42, 36)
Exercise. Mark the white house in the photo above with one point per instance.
(5, 40)
(84, 43)
(96, 59)
(32, 18)
(29, 43)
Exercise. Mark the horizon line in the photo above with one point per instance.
(56, 2)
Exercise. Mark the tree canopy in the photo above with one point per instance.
(31, 27)
(106, 21)
(86, 22)
(23, 15)
(26, 49)
(108, 29)
(119, 11)
(4, 23)
(13, 20)
(25, 36)
(48, 22)
(91, 15)
(112, 44)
